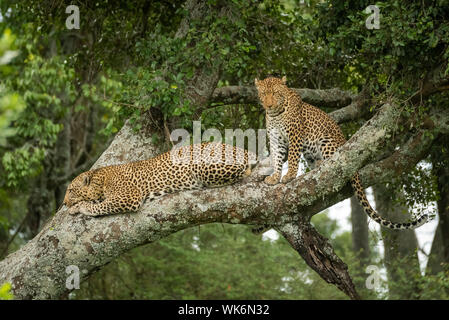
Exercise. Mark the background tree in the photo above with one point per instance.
(438, 256)
(401, 249)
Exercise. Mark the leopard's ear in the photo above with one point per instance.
(86, 180)
(256, 81)
(284, 80)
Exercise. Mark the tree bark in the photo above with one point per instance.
(332, 98)
(319, 255)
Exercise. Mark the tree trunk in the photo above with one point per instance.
(401, 257)
(360, 242)
(439, 253)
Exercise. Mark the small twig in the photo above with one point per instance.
(5, 250)
(167, 133)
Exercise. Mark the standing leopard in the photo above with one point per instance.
(124, 187)
(295, 127)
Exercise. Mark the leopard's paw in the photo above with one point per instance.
(287, 178)
(73, 210)
(273, 179)
(79, 208)
(83, 209)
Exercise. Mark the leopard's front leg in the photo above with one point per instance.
(294, 153)
(108, 206)
(278, 152)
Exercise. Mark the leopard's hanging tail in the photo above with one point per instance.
(361, 196)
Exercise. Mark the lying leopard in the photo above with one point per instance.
(295, 127)
(123, 188)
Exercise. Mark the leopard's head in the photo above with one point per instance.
(272, 94)
(82, 188)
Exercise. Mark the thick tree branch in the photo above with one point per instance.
(351, 107)
(435, 81)
(333, 98)
(356, 109)
(319, 255)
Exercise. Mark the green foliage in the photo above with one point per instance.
(7, 52)
(414, 285)
(40, 86)
(10, 106)
(212, 262)
(167, 62)
(10, 103)
(434, 287)
(108, 94)
(4, 292)
(413, 36)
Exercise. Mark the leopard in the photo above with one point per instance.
(295, 127)
(124, 187)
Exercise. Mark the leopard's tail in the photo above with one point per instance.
(361, 196)
(260, 229)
